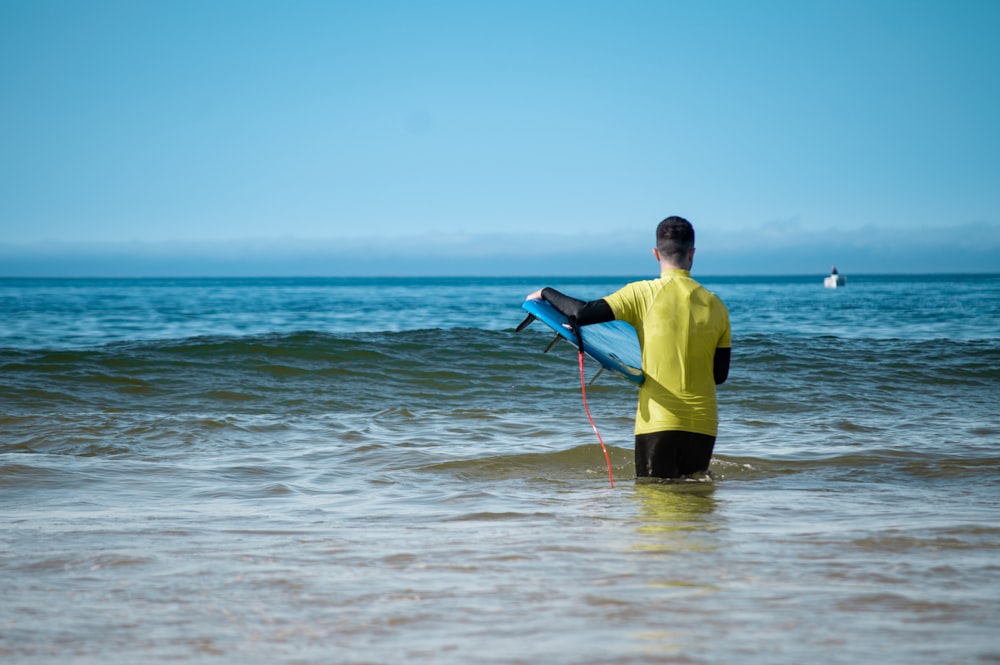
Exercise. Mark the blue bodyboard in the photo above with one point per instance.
(613, 344)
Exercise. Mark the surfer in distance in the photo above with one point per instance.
(686, 340)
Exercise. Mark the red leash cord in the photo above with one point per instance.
(583, 390)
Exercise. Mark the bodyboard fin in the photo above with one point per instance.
(527, 322)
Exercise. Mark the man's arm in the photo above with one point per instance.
(586, 313)
(720, 367)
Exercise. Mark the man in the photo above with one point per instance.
(686, 340)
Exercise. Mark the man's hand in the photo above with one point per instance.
(537, 295)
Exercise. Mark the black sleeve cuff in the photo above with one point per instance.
(586, 313)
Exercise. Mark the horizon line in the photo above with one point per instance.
(944, 273)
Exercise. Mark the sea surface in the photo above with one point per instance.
(382, 471)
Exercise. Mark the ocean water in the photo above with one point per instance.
(382, 471)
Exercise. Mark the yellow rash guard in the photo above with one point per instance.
(680, 324)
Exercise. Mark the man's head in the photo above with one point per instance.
(675, 242)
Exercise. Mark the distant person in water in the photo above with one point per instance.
(686, 341)
(833, 270)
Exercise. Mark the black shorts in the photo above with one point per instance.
(672, 454)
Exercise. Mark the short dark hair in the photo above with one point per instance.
(674, 237)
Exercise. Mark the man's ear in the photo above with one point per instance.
(656, 253)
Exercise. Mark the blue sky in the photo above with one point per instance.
(546, 137)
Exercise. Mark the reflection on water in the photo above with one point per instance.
(676, 517)
(675, 526)
(677, 501)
